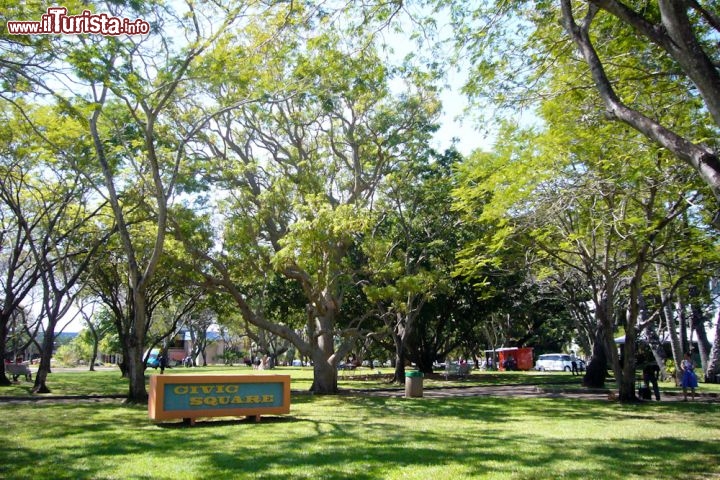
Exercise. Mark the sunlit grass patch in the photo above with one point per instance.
(358, 436)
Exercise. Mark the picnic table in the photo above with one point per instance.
(353, 370)
(18, 369)
(461, 370)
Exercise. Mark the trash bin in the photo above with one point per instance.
(413, 384)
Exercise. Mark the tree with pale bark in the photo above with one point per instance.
(296, 176)
(126, 92)
(583, 208)
(651, 66)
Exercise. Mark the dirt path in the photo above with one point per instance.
(526, 391)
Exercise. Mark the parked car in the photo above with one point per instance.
(554, 362)
(153, 360)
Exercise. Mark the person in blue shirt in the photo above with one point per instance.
(688, 378)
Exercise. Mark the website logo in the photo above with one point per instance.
(57, 22)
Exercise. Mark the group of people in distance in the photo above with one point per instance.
(688, 378)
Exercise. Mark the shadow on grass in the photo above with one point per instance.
(358, 437)
(365, 458)
(210, 422)
(486, 409)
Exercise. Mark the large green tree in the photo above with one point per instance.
(411, 250)
(19, 272)
(652, 66)
(511, 47)
(583, 207)
(127, 92)
(683, 34)
(49, 208)
(296, 176)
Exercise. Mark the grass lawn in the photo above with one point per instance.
(359, 437)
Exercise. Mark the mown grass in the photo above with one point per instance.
(359, 436)
(109, 382)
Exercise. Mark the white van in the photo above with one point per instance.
(554, 361)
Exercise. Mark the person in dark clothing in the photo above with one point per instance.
(163, 360)
(511, 364)
(651, 374)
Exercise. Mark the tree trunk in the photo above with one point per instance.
(684, 340)
(4, 381)
(123, 364)
(93, 356)
(95, 340)
(675, 344)
(399, 335)
(678, 342)
(713, 370)
(324, 376)
(399, 376)
(324, 361)
(45, 356)
(698, 326)
(596, 371)
(653, 339)
(137, 393)
(40, 385)
(426, 359)
(657, 349)
(681, 42)
(629, 366)
(687, 53)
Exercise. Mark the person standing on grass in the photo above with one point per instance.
(688, 379)
(163, 360)
(651, 374)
